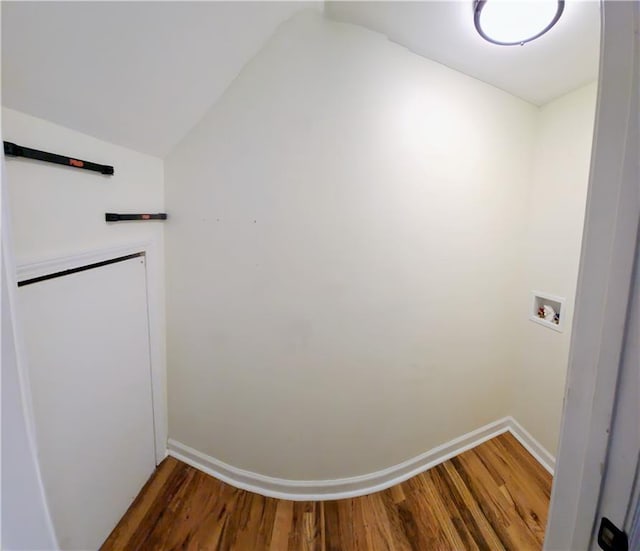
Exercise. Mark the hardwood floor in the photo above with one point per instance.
(492, 497)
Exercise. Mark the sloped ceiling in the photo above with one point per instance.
(138, 74)
(558, 62)
(142, 74)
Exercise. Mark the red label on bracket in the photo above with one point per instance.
(145, 216)
(74, 162)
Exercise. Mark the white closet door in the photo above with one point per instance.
(87, 339)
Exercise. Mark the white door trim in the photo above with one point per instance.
(8, 271)
(38, 268)
(603, 292)
(155, 312)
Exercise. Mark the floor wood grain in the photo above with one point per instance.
(492, 497)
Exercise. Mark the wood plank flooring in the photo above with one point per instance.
(492, 497)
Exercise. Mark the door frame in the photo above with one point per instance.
(604, 284)
(155, 313)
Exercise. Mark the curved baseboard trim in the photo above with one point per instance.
(319, 490)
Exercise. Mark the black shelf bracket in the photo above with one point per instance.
(114, 217)
(15, 150)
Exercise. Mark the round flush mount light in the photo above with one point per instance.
(515, 22)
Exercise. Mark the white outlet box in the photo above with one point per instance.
(538, 300)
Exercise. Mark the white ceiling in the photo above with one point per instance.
(138, 74)
(560, 61)
(142, 74)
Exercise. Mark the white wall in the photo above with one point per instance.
(25, 520)
(551, 255)
(344, 226)
(59, 211)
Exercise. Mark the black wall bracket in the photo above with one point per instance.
(114, 217)
(15, 150)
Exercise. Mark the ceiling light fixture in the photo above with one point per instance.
(515, 22)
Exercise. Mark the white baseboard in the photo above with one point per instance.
(318, 490)
(532, 445)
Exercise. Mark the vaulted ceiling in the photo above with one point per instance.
(142, 74)
(138, 74)
(560, 61)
